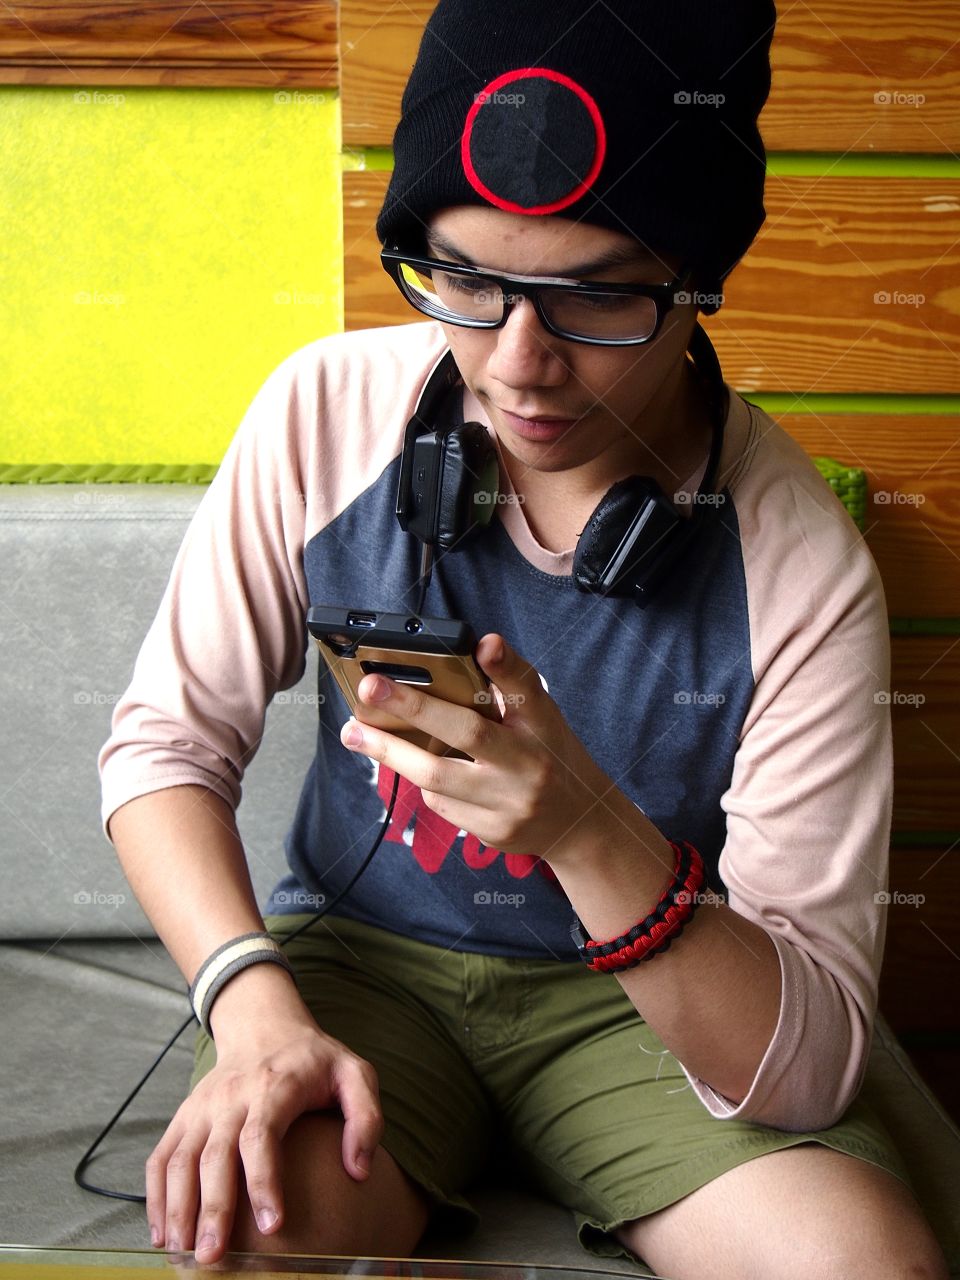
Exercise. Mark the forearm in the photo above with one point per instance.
(182, 855)
(713, 997)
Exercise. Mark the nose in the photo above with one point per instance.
(525, 354)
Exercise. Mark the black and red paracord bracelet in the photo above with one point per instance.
(655, 933)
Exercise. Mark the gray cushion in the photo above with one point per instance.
(85, 569)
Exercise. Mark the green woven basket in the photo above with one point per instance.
(850, 486)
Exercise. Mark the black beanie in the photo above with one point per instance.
(637, 115)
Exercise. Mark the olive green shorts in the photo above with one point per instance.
(543, 1064)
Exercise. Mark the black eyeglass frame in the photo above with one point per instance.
(530, 287)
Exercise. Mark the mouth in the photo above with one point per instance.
(538, 428)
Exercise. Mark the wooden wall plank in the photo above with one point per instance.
(800, 311)
(220, 43)
(921, 963)
(829, 59)
(913, 512)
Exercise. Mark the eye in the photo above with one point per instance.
(604, 301)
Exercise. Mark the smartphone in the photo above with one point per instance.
(436, 654)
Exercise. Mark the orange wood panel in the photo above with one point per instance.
(803, 311)
(830, 59)
(220, 43)
(913, 511)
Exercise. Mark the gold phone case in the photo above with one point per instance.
(454, 678)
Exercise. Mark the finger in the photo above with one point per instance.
(458, 726)
(431, 772)
(517, 680)
(357, 1090)
(183, 1193)
(218, 1192)
(259, 1146)
(156, 1179)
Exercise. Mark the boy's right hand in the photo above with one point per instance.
(268, 1072)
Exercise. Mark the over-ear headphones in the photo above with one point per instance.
(450, 475)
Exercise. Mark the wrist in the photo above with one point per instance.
(253, 999)
(617, 833)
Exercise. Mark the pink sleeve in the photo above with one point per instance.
(809, 804)
(229, 631)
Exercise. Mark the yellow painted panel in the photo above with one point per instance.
(161, 251)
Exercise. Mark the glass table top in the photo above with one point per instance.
(19, 1262)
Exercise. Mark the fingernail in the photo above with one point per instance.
(363, 1161)
(353, 736)
(381, 691)
(154, 1236)
(207, 1241)
(265, 1219)
(497, 654)
(173, 1245)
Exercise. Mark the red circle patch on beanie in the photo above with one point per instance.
(533, 141)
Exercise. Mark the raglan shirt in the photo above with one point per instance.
(743, 709)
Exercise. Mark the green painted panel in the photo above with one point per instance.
(779, 163)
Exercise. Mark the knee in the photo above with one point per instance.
(325, 1209)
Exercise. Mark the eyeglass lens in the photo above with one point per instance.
(447, 295)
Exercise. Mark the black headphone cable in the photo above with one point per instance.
(88, 1154)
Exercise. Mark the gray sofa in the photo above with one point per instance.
(89, 995)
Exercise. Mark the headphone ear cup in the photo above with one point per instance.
(636, 503)
(468, 484)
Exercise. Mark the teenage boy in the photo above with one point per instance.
(713, 764)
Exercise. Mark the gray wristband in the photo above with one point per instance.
(227, 961)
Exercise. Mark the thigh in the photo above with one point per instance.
(608, 1124)
(807, 1210)
(374, 991)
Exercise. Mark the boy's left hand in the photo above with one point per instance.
(530, 787)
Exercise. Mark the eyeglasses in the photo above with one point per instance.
(606, 315)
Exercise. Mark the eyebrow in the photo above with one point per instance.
(618, 256)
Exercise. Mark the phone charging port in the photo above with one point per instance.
(361, 619)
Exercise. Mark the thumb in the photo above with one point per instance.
(511, 673)
(363, 1124)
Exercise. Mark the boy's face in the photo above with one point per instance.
(617, 396)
